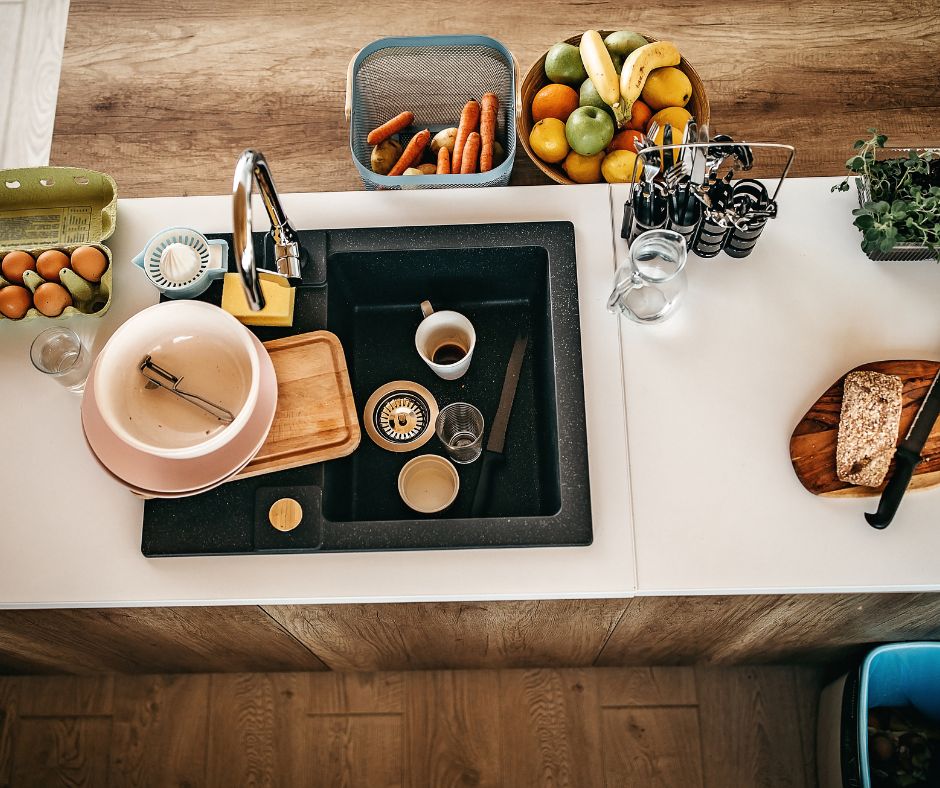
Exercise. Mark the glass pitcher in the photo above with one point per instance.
(650, 285)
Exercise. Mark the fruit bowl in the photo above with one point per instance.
(535, 80)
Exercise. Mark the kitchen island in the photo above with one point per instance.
(692, 490)
(705, 545)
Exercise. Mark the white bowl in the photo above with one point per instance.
(205, 346)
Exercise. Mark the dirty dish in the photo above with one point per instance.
(428, 483)
(204, 346)
(445, 341)
(460, 428)
(160, 477)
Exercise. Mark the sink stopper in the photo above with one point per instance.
(400, 416)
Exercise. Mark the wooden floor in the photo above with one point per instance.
(669, 727)
(164, 96)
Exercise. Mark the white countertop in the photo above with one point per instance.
(711, 399)
(70, 536)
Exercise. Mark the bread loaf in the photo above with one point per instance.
(868, 427)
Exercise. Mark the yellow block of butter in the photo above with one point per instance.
(278, 297)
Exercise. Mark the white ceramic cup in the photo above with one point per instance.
(439, 330)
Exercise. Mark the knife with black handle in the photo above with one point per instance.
(497, 440)
(907, 458)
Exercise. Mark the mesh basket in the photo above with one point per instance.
(434, 77)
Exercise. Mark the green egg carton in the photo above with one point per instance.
(59, 208)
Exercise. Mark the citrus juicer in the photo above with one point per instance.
(181, 262)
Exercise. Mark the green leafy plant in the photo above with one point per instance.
(903, 205)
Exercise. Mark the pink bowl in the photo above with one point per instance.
(147, 474)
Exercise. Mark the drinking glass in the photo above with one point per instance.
(650, 285)
(460, 428)
(59, 353)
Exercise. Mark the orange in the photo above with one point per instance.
(554, 101)
(640, 116)
(625, 140)
(548, 140)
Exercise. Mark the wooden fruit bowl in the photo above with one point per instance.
(535, 80)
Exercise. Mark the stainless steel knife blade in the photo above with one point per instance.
(925, 419)
(907, 458)
(497, 440)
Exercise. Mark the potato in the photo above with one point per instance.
(427, 169)
(384, 156)
(499, 153)
(444, 139)
(412, 171)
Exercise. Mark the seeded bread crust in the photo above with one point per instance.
(868, 427)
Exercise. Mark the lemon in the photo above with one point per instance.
(618, 167)
(584, 169)
(676, 117)
(548, 140)
(667, 87)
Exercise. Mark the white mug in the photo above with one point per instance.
(447, 336)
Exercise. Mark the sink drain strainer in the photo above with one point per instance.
(400, 416)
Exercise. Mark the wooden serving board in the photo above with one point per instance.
(316, 417)
(813, 443)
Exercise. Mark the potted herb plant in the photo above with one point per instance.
(899, 199)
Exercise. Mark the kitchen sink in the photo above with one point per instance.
(366, 286)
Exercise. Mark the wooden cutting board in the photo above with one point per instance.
(316, 418)
(813, 443)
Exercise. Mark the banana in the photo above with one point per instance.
(600, 68)
(637, 66)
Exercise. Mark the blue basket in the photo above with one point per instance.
(433, 77)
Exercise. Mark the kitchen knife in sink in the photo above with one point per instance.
(497, 440)
(907, 457)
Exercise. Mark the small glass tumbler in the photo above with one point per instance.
(650, 286)
(460, 428)
(59, 353)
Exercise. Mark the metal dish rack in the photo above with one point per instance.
(721, 215)
(434, 77)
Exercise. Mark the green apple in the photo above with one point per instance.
(563, 64)
(589, 97)
(623, 42)
(589, 130)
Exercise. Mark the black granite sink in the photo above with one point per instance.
(366, 286)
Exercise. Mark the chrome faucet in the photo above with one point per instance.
(251, 166)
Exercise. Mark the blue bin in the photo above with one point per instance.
(898, 674)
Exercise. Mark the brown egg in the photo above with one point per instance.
(89, 263)
(13, 265)
(15, 301)
(51, 299)
(50, 262)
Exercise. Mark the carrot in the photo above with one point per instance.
(468, 123)
(443, 162)
(393, 126)
(412, 152)
(488, 130)
(471, 153)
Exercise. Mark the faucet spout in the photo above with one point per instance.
(251, 167)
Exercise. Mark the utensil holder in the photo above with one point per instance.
(709, 238)
(741, 242)
(706, 237)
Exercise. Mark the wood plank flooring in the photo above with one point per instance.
(669, 727)
(164, 96)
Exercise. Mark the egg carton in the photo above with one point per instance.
(62, 208)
